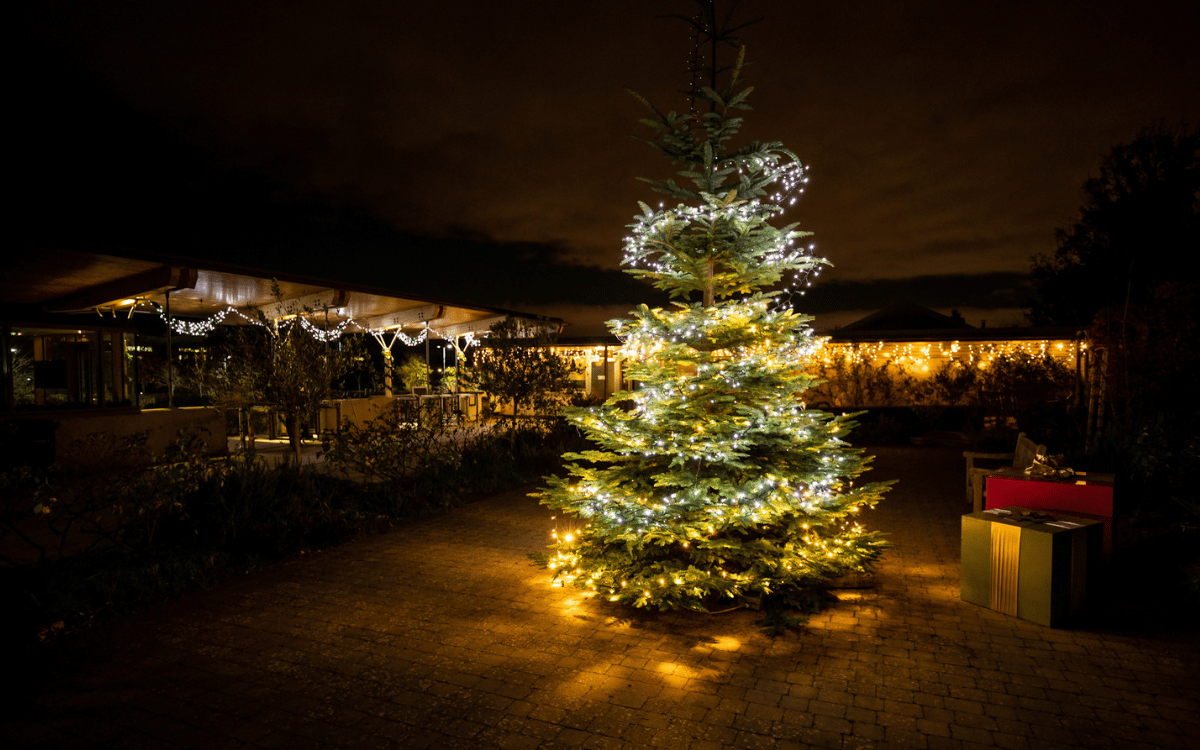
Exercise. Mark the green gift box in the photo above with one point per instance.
(1034, 565)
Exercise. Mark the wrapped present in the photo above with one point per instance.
(1031, 564)
(1089, 495)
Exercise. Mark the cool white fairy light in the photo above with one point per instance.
(207, 326)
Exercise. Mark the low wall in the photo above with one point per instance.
(356, 411)
(161, 426)
(359, 411)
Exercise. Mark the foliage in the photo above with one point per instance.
(1151, 355)
(861, 383)
(1150, 406)
(421, 464)
(458, 377)
(1138, 215)
(1006, 385)
(712, 482)
(401, 449)
(1011, 392)
(363, 369)
(952, 384)
(244, 355)
(300, 371)
(205, 377)
(22, 376)
(1115, 272)
(1016, 385)
(413, 372)
(94, 542)
(516, 366)
(120, 528)
(101, 498)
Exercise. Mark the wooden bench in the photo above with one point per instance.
(1022, 458)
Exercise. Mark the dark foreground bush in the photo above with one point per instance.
(75, 546)
(432, 465)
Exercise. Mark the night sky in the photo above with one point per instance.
(483, 151)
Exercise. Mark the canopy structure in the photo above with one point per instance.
(57, 282)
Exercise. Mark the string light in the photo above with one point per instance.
(208, 325)
(921, 357)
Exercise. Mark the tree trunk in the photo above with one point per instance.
(708, 286)
(293, 428)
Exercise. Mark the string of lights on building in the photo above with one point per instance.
(208, 325)
(923, 356)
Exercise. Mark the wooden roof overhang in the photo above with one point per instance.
(61, 282)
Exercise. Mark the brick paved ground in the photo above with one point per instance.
(443, 635)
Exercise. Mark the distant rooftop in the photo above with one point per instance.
(911, 322)
(907, 317)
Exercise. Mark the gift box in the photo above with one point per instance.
(1030, 564)
(1088, 495)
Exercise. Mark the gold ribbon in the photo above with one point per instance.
(1006, 554)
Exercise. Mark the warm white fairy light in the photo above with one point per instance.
(919, 358)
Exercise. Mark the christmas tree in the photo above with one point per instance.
(713, 485)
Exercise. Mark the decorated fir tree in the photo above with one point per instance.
(712, 484)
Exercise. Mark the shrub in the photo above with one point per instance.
(1016, 386)
(430, 462)
(517, 366)
(861, 383)
(114, 531)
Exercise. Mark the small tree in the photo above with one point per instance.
(457, 377)
(301, 370)
(859, 382)
(1015, 387)
(516, 365)
(243, 355)
(1138, 215)
(205, 377)
(952, 384)
(414, 372)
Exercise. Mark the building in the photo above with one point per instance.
(912, 339)
(920, 341)
(75, 341)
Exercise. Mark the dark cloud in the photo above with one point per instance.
(995, 291)
(945, 140)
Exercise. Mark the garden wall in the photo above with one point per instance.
(161, 425)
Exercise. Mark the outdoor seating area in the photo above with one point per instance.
(443, 634)
(105, 344)
(363, 384)
(461, 406)
(1022, 457)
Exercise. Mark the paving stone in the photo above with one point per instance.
(440, 634)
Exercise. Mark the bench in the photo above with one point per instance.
(1022, 458)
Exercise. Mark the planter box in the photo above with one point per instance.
(1045, 571)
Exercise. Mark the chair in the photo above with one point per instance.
(1022, 458)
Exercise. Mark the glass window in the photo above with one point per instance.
(63, 368)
